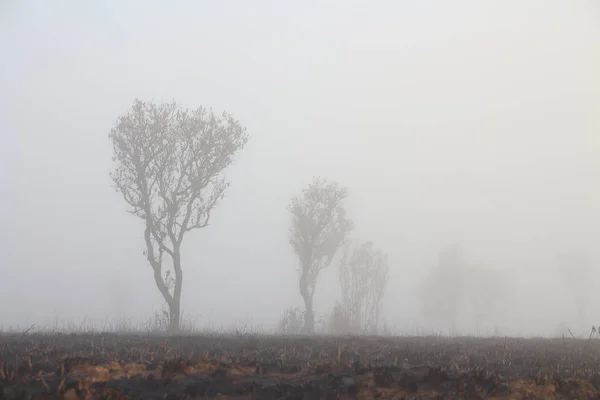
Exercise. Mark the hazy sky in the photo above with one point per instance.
(468, 121)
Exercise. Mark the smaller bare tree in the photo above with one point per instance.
(363, 275)
(319, 227)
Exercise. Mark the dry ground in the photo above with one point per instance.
(79, 366)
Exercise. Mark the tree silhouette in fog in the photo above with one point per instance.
(441, 293)
(363, 277)
(319, 227)
(168, 168)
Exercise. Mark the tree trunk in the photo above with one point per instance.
(175, 305)
(174, 316)
(309, 317)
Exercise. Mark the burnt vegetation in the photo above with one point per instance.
(91, 366)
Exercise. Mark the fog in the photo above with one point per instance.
(468, 122)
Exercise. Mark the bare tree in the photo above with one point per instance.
(363, 275)
(169, 163)
(319, 227)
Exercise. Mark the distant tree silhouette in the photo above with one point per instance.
(168, 168)
(441, 293)
(363, 277)
(319, 227)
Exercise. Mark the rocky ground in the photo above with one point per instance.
(35, 366)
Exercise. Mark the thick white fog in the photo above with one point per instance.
(469, 122)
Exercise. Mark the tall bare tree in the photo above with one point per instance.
(319, 227)
(363, 275)
(169, 164)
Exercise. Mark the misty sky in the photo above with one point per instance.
(475, 122)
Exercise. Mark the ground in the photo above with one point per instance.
(36, 366)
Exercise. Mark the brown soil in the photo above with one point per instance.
(103, 366)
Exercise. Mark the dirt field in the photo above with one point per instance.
(246, 367)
